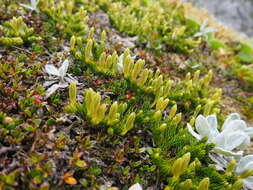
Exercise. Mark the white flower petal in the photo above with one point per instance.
(52, 90)
(209, 30)
(231, 117)
(120, 64)
(249, 166)
(64, 68)
(235, 125)
(203, 127)
(71, 79)
(245, 143)
(220, 140)
(249, 131)
(63, 84)
(49, 83)
(248, 182)
(34, 4)
(220, 160)
(236, 139)
(212, 121)
(136, 186)
(228, 153)
(198, 34)
(232, 140)
(52, 70)
(245, 163)
(204, 24)
(27, 6)
(197, 136)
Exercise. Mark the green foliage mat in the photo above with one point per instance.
(97, 94)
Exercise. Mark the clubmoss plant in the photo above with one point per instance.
(68, 20)
(92, 108)
(179, 166)
(193, 88)
(94, 55)
(95, 110)
(16, 32)
(192, 175)
(204, 184)
(152, 23)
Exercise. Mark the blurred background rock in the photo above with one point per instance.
(237, 14)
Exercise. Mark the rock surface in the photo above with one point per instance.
(237, 14)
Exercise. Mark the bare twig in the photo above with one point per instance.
(26, 51)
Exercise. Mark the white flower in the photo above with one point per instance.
(60, 80)
(246, 163)
(120, 63)
(32, 6)
(136, 186)
(234, 123)
(204, 30)
(234, 134)
(61, 72)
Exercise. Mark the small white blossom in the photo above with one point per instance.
(120, 63)
(60, 78)
(234, 134)
(204, 30)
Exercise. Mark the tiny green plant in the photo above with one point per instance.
(68, 20)
(98, 113)
(16, 32)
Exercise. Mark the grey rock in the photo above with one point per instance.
(237, 14)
